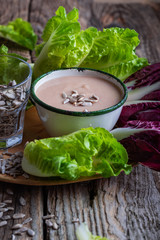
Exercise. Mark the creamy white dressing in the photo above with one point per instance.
(51, 91)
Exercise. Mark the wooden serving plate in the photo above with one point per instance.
(33, 129)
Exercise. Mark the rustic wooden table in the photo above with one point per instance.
(120, 208)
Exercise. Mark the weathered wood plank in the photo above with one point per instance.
(126, 207)
(33, 208)
(9, 11)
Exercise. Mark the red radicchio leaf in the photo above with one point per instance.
(147, 115)
(135, 124)
(146, 76)
(155, 95)
(144, 148)
(144, 111)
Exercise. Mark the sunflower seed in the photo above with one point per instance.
(16, 103)
(6, 217)
(66, 101)
(17, 233)
(1, 214)
(74, 91)
(17, 226)
(74, 95)
(55, 226)
(11, 166)
(27, 220)
(72, 100)
(48, 216)
(22, 201)
(3, 166)
(19, 90)
(81, 95)
(80, 98)
(13, 237)
(94, 98)
(64, 95)
(30, 232)
(18, 215)
(8, 103)
(22, 97)
(88, 104)
(3, 209)
(21, 230)
(10, 209)
(86, 100)
(48, 223)
(3, 223)
(9, 94)
(13, 83)
(2, 103)
(13, 99)
(25, 175)
(2, 108)
(79, 103)
(9, 191)
(8, 201)
(2, 204)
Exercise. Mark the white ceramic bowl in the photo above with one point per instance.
(59, 122)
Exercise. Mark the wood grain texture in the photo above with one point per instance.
(125, 207)
(9, 11)
(121, 208)
(33, 209)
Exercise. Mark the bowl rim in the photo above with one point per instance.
(29, 76)
(35, 99)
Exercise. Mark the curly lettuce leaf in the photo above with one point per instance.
(124, 69)
(4, 51)
(65, 45)
(83, 153)
(12, 68)
(81, 49)
(59, 37)
(113, 51)
(111, 47)
(20, 32)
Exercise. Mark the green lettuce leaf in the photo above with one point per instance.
(59, 37)
(11, 68)
(124, 69)
(4, 51)
(65, 45)
(111, 47)
(83, 45)
(83, 233)
(20, 32)
(86, 152)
